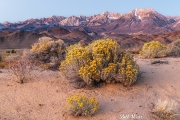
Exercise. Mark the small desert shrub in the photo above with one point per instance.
(165, 110)
(80, 105)
(103, 60)
(44, 66)
(3, 64)
(153, 49)
(173, 49)
(134, 50)
(8, 51)
(13, 51)
(49, 51)
(21, 68)
(0, 58)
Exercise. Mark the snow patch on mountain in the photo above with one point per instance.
(177, 23)
(135, 14)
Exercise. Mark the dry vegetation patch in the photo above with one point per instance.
(102, 61)
(173, 49)
(165, 110)
(21, 67)
(48, 51)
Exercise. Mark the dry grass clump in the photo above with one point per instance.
(165, 110)
(173, 49)
(49, 51)
(80, 105)
(101, 61)
(153, 49)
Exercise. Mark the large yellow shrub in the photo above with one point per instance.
(103, 60)
(80, 105)
(153, 49)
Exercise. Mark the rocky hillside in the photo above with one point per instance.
(18, 39)
(24, 39)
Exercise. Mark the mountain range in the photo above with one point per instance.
(73, 29)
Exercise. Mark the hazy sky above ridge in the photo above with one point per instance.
(20, 10)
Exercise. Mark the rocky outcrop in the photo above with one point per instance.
(102, 19)
(73, 21)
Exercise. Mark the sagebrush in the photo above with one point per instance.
(49, 51)
(0, 58)
(173, 49)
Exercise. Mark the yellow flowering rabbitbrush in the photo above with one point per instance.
(153, 49)
(103, 60)
(76, 57)
(80, 105)
(129, 69)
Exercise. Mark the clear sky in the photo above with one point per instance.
(19, 10)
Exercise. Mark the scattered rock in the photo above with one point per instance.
(159, 62)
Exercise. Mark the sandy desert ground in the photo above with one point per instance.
(44, 96)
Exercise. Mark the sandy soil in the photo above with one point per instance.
(44, 97)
